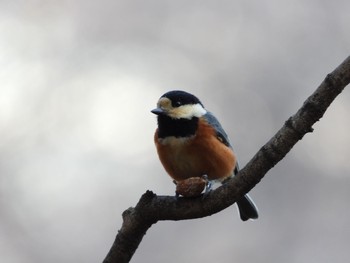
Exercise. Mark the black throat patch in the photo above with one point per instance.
(176, 127)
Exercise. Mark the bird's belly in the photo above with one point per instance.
(183, 159)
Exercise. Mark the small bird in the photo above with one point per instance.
(191, 142)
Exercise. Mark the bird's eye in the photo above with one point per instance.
(178, 103)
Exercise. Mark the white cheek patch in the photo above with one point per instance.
(187, 111)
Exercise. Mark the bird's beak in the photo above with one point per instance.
(158, 111)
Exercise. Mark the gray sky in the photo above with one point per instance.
(78, 80)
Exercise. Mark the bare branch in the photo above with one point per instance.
(152, 208)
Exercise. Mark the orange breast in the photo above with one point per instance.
(201, 154)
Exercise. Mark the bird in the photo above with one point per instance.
(191, 142)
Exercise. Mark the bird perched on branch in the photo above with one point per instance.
(191, 143)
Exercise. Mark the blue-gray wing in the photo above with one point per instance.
(220, 132)
(247, 208)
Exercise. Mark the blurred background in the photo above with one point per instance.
(78, 80)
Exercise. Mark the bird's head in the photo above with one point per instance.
(179, 104)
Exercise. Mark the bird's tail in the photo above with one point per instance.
(247, 208)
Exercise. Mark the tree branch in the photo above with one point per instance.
(152, 208)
